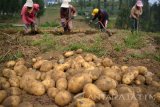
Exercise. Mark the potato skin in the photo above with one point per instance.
(106, 83)
(48, 83)
(12, 101)
(25, 104)
(3, 95)
(10, 64)
(52, 92)
(92, 92)
(157, 97)
(61, 84)
(46, 66)
(63, 98)
(14, 91)
(20, 69)
(107, 62)
(85, 102)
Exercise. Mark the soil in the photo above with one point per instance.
(12, 40)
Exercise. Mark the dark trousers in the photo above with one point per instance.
(134, 24)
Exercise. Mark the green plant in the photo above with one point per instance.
(118, 47)
(46, 42)
(134, 41)
(50, 24)
(157, 57)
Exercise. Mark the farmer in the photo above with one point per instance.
(103, 18)
(136, 12)
(67, 12)
(28, 15)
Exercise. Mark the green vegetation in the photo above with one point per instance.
(119, 47)
(11, 56)
(157, 57)
(95, 48)
(45, 43)
(50, 24)
(134, 41)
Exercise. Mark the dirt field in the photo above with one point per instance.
(49, 43)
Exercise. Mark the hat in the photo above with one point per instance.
(139, 3)
(29, 3)
(95, 11)
(65, 4)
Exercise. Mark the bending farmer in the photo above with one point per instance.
(28, 15)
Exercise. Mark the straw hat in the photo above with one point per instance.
(29, 3)
(65, 3)
(139, 3)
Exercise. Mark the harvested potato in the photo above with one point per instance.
(157, 97)
(38, 64)
(46, 66)
(123, 89)
(107, 62)
(2, 80)
(14, 91)
(35, 87)
(116, 68)
(113, 92)
(48, 83)
(155, 84)
(20, 61)
(61, 84)
(3, 95)
(69, 53)
(124, 101)
(106, 83)
(95, 73)
(140, 80)
(14, 81)
(10, 64)
(79, 51)
(92, 92)
(58, 74)
(77, 82)
(129, 76)
(52, 92)
(38, 75)
(43, 76)
(63, 98)
(25, 104)
(112, 73)
(85, 102)
(12, 101)
(142, 70)
(8, 73)
(5, 85)
(88, 58)
(124, 68)
(20, 69)
(34, 60)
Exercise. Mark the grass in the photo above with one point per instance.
(95, 48)
(45, 43)
(50, 24)
(11, 56)
(134, 41)
(118, 47)
(157, 57)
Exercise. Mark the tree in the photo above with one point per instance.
(99, 4)
(105, 4)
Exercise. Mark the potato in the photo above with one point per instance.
(3, 95)
(20, 61)
(10, 64)
(123, 89)
(155, 84)
(77, 82)
(38, 75)
(49, 74)
(79, 51)
(112, 73)
(20, 69)
(2, 80)
(124, 68)
(12, 101)
(95, 73)
(8, 73)
(157, 97)
(43, 76)
(113, 92)
(140, 80)
(149, 80)
(125, 100)
(107, 62)
(63, 98)
(88, 58)
(85, 102)
(38, 64)
(116, 68)
(48, 83)
(46, 66)
(14, 81)
(142, 70)
(34, 60)
(25, 104)
(75, 65)
(106, 83)
(61, 84)
(52, 92)
(14, 91)
(58, 74)
(5, 85)
(69, 53)
(129, 76)
(92, 92)
(35, 87)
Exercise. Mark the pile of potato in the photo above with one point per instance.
(78, 79)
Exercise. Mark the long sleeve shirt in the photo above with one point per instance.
(102, 15)
(27, 17)
(135, 13)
